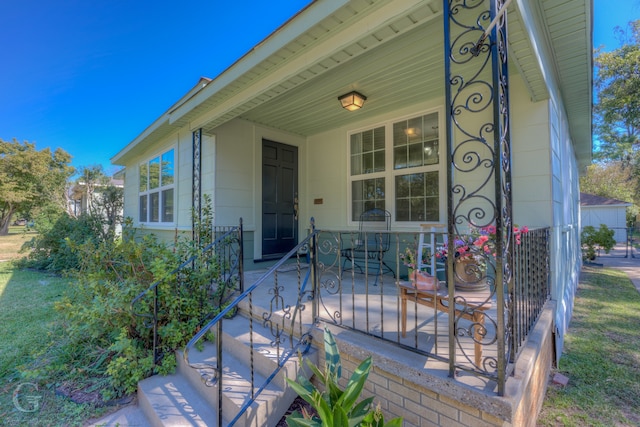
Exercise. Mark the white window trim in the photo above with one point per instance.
(159, 190)
(390, 173)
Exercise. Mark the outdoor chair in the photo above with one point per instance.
(366, 250)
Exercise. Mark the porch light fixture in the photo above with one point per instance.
(352, 101)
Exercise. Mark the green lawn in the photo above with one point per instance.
(28, 324)
(601, 356)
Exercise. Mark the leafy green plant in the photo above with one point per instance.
(52, 247)
(593, 239)
(335, 406)
(118, 343)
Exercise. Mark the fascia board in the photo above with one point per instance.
(295, 27)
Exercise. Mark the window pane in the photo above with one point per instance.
(400, 157)
(367, 151)
(402, 210)
(356, 154)
(378, 139)
(167, 205)
(143, 177)
(356, 167)
(143, 208)
(415, 142)
(167, 168)
(417, 197)
(154, 173)
(402, 186)
(366, 194)
(154, 199)
(431, 153)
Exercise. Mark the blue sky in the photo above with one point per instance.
(90, 75)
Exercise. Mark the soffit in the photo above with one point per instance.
(296, 88)
(569, 25)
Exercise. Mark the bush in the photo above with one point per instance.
(593, 239)
(116, 339)
(52, 248)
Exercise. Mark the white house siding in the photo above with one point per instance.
(562, 197)
(565, 249)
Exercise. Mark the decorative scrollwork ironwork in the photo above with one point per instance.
(480, 156)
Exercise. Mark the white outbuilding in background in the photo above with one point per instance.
(596, 210)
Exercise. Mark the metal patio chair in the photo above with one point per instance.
(367, 250)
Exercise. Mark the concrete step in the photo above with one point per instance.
(168, 401)
(192, 392)
(236, 385)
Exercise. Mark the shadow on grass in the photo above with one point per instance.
(28, 325)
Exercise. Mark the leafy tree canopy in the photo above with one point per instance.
(30, 178)
(616, 127)
(617, 107)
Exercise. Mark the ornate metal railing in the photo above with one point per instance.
(218, 267)
(531, 285)
(386, 307)
(278, 310)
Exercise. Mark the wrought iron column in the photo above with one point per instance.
(196, 177)
(479, 162)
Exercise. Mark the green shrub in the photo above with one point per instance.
(593, 239)
(116, 339)
(52, 248)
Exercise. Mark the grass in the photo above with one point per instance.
(11, 244)
(601, 357)
(28, 324)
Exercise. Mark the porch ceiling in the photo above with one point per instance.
(291, 80)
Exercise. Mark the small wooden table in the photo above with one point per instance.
(474, 307)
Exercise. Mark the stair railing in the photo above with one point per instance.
(223, 257)
(283, 320)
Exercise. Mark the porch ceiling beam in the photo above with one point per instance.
(345, 37)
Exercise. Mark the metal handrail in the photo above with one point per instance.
(302, 346)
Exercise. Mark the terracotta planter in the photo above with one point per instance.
(423, 281)
(470, 276)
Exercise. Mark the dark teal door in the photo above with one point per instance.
(279, 198)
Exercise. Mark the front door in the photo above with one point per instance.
(279, 198)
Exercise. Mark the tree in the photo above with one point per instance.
(30, 178)
(616, 126)
(617, 108)
(611, 179)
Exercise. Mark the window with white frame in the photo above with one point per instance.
(156, 191)
(397, 167)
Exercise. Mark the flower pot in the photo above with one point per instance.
(422, 281)
(469, 275)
